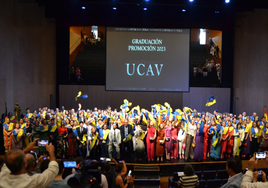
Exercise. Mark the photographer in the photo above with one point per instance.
(14, 171)
(121, 170)
(250, 178)
(58, 181)
(110, 173)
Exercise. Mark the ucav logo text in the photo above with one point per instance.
(142, 70)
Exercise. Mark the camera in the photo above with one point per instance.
(88, 175)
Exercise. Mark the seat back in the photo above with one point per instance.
(199, 174)
(222, 174)
(210, 174)
(202, 183)
(214, 183)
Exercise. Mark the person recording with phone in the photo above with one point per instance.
(58, 181)
(121, 170)
(250, 178)
(13, 173)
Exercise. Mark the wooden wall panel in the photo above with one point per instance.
(27, 55)
(100, 98)
(97, 96)
(250, 61)
(197, 98)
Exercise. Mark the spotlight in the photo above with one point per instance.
(217, 12)
(191, 0)
(183, 10)
(83, 8)
(144, 8)
(114, 8)
(147, 0)
(227, 1)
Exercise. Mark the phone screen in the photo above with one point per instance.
(69, 164)
(42, 143)
(260, 155)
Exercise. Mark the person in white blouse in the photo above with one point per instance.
(189, 137)
(181, 135)
(251, 176)
(115, 141)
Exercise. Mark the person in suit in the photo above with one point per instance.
(234, 169)
(126, 140)
(104, 140)
(115, 141)
(81, 140)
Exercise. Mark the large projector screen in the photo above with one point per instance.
(141, 59)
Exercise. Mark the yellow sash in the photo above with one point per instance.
(106, 134)
(237, 148)
(59, 120)
(132, 124)
(10, 127)
(129, 137)
(225, 130)
(84, 138)
(19, 135)
(247, 128)
(94, 140)
(142, 135)
(46, 128)
(23, 125)
(230, 129)
(30, 115)
(53, 128)
(152, 119)
(216, 140)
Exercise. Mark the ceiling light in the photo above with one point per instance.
(183, 10)
(114, 8)
(227, 1)
(83, 8)
(144, 8)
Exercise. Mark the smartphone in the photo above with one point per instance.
(102, 158)
(108, 159)
(42, 143)
(260, 155)
(44, 158)
(129, 173)
(259, 173)
(69, 164)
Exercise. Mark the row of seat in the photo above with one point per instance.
(209, 178)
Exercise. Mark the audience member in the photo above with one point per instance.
(58, 181)
(121, 170)
(104, 183)
(109, 173)
(189, 179)
(31, 164)
(250, 178)
(14, 171)
(234, 169)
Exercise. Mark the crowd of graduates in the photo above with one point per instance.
(135, 134)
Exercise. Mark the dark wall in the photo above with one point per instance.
(27, 56)
(251, 62)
